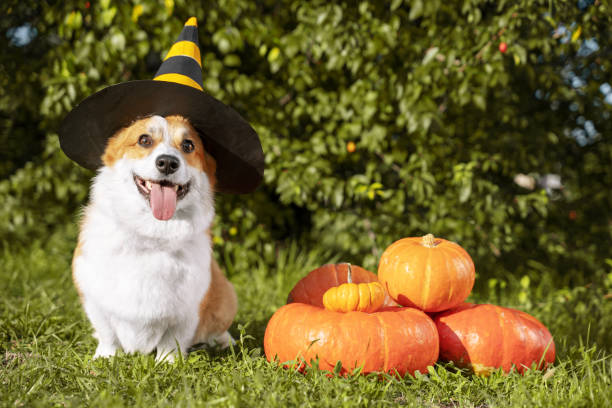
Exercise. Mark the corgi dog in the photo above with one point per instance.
(143, 265)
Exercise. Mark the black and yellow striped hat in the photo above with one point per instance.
(183, 64)
(177, 88)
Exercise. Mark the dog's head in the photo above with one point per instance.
(157, 176)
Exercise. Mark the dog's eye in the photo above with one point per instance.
(187, 146)
(145, 140)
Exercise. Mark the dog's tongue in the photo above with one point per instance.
(163, 201)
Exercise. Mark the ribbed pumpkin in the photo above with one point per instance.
(392, 340)
(310, 289)
(354, 297)
(486, 337)
(431, 274)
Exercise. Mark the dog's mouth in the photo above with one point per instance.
(162, 195)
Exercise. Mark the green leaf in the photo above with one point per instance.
(395, 4)
(479, 101)
(416, 9)
(465, 192)
(118, 41)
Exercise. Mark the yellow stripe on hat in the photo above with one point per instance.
(192, 22)
(186, 48)
(179, 79)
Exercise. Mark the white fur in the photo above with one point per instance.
(142, 279)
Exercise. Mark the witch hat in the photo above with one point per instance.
(176, 89)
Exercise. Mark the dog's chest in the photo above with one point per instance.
(132, 283)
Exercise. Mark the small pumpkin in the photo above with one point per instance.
(429, 273)
(310, 289)
(487, 337)
(360, 297)
(393, 340)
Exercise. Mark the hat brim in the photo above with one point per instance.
(226, 135)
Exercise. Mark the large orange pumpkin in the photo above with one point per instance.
(431, 274)
(486, 337)
(393, 340)
(310, 289)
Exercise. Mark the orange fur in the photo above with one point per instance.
(218, 308)
(125, 143)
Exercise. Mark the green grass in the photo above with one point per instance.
(46, 347)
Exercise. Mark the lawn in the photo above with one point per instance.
(46, 347)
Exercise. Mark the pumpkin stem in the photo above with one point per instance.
(349, 277)
(428, 241)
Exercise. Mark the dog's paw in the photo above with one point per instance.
(168, 356)
(222, 340)
(105, 351)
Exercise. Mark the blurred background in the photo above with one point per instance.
(483, 122)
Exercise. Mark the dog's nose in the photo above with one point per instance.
(167, 164)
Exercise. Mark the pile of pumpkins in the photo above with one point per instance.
(346, 319)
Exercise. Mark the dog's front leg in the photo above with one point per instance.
(107, 340)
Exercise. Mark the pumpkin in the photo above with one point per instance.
(310, 289)
(487, 337)
(431, 274)
(361, 297)
(394, 340)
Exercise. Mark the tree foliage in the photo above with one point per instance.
(379, 120)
